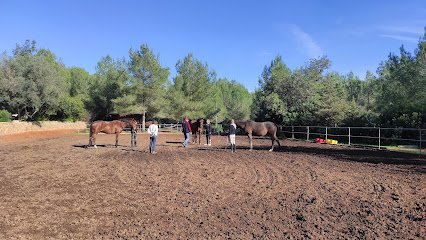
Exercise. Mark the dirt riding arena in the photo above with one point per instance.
(53, 187)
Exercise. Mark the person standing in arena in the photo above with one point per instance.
(186, 129)
(153, 133)
(232, 130)
(208, 128)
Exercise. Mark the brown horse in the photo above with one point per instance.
(259, 129)
(112, 127)
(197, 130)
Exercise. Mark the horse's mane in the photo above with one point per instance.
(126, 120)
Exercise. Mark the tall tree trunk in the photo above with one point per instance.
(143, 120)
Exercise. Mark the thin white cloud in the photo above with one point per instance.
(265, 53)
(400, 37)
(309, 45)
(407, 32)
(415, 30)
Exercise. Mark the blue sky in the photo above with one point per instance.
(235, 38)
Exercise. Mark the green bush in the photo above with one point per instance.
(72, 109)
(5, 116)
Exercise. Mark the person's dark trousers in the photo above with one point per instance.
(208, 138)
(152, 144)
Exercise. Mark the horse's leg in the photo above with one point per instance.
(94, 140)
(274, 138)
(90, 137)
(272, 148)
(116, 139)
(278, 141)
(251, 141)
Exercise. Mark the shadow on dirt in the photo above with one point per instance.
(99, 145)
(37, 123)
(212, 149)
(352, 154)
(80, 146)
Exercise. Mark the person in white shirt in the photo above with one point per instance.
(153, 133)
(232, 131)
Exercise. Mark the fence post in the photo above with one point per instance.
(326, 133)
(379, 138)
(349, 135)
(420, 147)
(292, 132)
(307, 133)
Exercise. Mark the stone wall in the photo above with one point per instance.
(13, 127)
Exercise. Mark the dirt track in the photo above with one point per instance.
(54, 188)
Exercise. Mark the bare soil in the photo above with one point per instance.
(53, 187)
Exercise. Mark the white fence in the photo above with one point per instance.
(409, 138)
(165, 127)
(375, 137)
(170, 127)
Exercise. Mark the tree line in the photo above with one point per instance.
(36, 85)
(312, 95)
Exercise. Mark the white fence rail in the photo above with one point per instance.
(165, 127)
(170, 127)
(375, 137)
(410, 138)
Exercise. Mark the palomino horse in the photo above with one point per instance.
(197, 130)
(259, 129)
(112, 127)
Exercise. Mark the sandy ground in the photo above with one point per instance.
(53, 187)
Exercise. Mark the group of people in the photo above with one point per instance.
(186, 129)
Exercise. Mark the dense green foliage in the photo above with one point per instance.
(190, 94)
(5, 116)
(107, 84)
(232, 100)
(304, 96)
(31, 82)
(402, 81)
(312, 96)
(144, 91)
(35, 85)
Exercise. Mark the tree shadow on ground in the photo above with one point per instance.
(213, 149)
(98, 145)
(37, 123)
(374, 156)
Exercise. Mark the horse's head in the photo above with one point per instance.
(200, 122)
(133, 124)
(240, 123)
